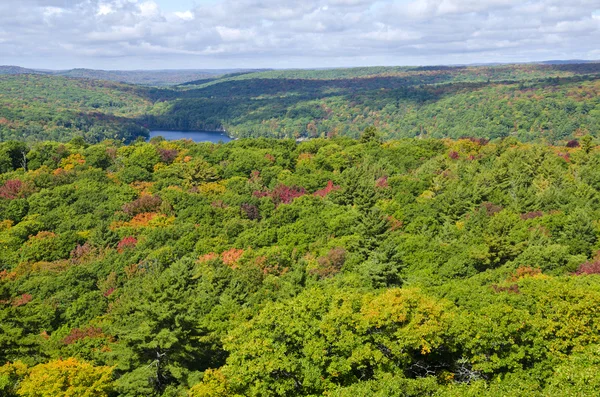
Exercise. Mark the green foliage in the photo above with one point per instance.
(323, 339)
(38, 107)
(325, 267)
(553, 103)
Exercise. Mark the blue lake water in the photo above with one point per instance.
(196, 136)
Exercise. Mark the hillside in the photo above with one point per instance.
(415, 267)
(431, 74)
(5, 69)
(143, 77)
(533, 102)
(401, 102)
(34, 108)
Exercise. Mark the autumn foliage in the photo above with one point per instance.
(524, 272)
(330, 264)
(146, 203)
(77, 334)
(127, 243)
(251, 211)
(326, 190)
(80, 252)
(11, 189)
(167, 155)
(67, 378)
(589, 268)
(574, 143)
(282, 194)
(22, 300)
(232, 256)
(532, 215)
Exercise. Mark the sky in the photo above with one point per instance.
(208, 34)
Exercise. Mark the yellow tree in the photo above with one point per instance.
(67, 378)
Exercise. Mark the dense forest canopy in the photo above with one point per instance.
(336, 267)
(434, 233)
(533, 102)
(36, 108)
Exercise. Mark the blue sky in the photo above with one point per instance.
(180, 5)
(175, 34)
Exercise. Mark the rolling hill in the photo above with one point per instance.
(531, 102)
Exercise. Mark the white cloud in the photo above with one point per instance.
(185, 15)
(391, 34)
(229, 34)
(149, 9)
(51, 11)
(104, 9)
(263, 33)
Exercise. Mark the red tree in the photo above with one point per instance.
(282, 194)
(126, 243)
(326, 190)
(167, 155)
(589, 268)
(11, 189)
(146, 203)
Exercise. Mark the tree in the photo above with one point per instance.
(157, 328)
(144, 156)
(11, 375)
(323, 339)
(13, 155)
(586, 143)
(370, 134)
(198, 171)
(66, 378)
(372, 227)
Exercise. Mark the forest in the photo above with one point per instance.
(38, 108)
(550, 103)
(169, 77)
(330, 267)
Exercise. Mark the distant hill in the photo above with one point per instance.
(532, 102)
(567, 62)
(35, 107)
(7, 69)
(146, 77)
(529, 101)
(213, 78)
(141, 77)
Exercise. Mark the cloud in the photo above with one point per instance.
(185, 15)
(286, 33)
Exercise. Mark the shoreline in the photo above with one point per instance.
(173, 135)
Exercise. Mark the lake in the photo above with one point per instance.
(196, 136)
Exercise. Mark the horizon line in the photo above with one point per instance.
(473, 64)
